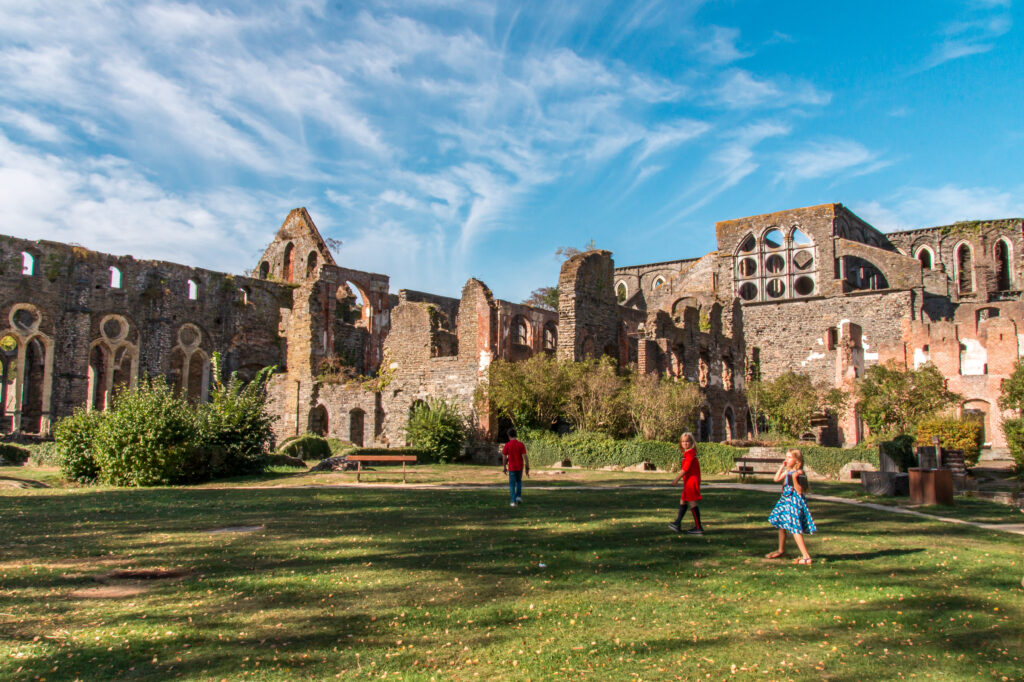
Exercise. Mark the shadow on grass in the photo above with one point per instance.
(865, 556)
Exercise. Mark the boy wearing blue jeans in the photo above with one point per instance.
(514, 462)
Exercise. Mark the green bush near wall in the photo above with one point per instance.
(1014, 431)
(307, 447)
(954, 434)
(830, 461)
(595, 450)
(13, 455)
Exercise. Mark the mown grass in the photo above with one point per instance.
(448, 584)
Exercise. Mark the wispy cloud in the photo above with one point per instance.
(31, 125)
(429, 122)
(974, 36)
(828, 158)
(720, 46)
(914, 207)
(741, 89)
(106, 205)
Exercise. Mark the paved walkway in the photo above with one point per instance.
(1015, 528)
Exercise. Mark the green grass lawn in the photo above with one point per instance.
(449, 584)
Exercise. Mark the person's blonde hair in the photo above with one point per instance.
(688, 436)
(798, 456)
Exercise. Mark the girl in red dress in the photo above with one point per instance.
(689, 471)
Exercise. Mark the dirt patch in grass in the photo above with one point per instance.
(145, 574)
(129, 582)
(236, 529)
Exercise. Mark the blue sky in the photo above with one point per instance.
(444, 139)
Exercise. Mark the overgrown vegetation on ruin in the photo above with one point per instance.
(894, 400)
(593, 396)
(788, 403)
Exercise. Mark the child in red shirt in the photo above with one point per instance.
(689, 471)
(514, 462)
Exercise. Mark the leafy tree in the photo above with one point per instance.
(661, 408)
(544, 297)
(788, 402)
(894, 400)
(530, 393)
(438, 427)
(597, 400)
(1011, 396)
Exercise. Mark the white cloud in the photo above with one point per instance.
(31, 125)
(975, 36)
(671, 135)
(827, 158)
(105, 205)
(915, 207)
(720, 46)
(742, 90)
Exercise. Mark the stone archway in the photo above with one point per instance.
(318, 421)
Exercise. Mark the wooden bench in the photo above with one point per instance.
(745, 465)
(389, 459)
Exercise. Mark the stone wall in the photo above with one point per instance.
(795, 335)
(83, 323)
(588, 317)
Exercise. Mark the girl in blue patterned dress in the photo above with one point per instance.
(790, 513)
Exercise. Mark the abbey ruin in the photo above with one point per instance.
(816, 290)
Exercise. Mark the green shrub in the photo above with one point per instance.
(954, 434)
(901, 450)
(234, 427)
(75, 436)
(1013, 429)
(13, 455)
(437, 427)
(338, 446)
(595, 450)
(829, 462)
(150, 437)
(308, 446)
(45, 454)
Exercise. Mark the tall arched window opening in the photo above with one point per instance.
(289, 262)
(311, 262)
(964, 269)
(925, 258)
(1002, 265)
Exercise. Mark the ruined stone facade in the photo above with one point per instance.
(819, 291)
(815, 290)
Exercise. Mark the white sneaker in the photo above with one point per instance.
(513, 504)
(519, 500)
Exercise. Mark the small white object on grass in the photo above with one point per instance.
(542, 565)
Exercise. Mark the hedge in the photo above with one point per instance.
(1014, 431)
(307, 446)
(954, 434)
(829, 462)
(45, 454)
(13, 455)
(596, 450)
